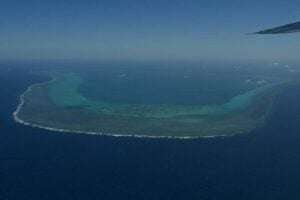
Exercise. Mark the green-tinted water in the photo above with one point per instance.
(65, 93)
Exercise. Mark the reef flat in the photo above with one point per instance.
(140, 104)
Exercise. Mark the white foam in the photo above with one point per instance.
(260, 82)
(275, 64)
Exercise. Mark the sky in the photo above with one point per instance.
(192, 30)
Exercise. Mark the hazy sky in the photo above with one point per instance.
(146, 30)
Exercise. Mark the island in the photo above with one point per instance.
(145, 102)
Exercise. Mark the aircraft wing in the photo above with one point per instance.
(288, 28)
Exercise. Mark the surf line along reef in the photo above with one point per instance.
(60, 105)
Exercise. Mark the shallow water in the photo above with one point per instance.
(59, 104)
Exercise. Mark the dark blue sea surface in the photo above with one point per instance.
(36, 164)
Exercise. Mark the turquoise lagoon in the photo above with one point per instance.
(153, 102)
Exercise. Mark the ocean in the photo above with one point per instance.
(38, 164)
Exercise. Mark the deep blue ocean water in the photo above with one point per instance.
(37, 164)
